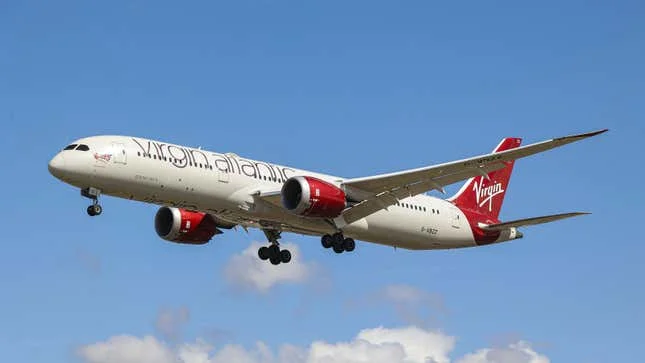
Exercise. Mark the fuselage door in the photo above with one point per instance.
(456, 218)
(120, 155)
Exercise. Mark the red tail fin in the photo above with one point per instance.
(485, 195)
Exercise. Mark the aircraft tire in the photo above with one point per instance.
(285, 256)
(274, 251)
(327, 241)
(337, 238)
(263, 253)
(349, 244)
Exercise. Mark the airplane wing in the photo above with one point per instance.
(273, 197)
(381, 191)
(529, 221)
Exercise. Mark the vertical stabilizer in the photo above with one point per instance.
(484, 195)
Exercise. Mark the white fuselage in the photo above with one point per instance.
(224, 185)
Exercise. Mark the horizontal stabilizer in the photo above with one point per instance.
(529, 221)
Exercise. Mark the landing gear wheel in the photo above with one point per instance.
(275, 260)
(285, 256)
(263, 253)
(327, 241)
(338, 248)
(94, 210)
(93, 194)
(274, 252)
(337, 238)
(349, 244)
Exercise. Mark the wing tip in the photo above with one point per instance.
(598, 132)
(572, 214)
(584, 135)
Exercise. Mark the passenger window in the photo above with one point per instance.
(83, 148)
(70, 147)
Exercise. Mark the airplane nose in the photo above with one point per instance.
(57, 165)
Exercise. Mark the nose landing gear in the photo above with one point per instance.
(338, 242)
(95, 208)
(273, 253)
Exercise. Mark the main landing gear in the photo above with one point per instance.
(273, 253)
(92, 193)
(338, 242)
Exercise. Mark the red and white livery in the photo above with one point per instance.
(202, 192)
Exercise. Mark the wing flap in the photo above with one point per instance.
(529, 221)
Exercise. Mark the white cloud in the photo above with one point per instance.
(405, 294)
(412, 305)
(247, 271)
(128, 349)
(520, 352)
(399, 345)
(170, 322)
(410, 344)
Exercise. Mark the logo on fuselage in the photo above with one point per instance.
(103, 157)
(485, 194)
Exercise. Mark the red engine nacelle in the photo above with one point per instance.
(312, 197)
(183, 226)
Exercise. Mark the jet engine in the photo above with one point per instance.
(312, 197)
(184, 226)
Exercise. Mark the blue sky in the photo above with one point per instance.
(347, 88)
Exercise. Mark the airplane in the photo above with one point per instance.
(201, 192)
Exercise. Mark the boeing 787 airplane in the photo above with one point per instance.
(202, 192)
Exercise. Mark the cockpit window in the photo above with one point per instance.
(70, 147)
(83, 147)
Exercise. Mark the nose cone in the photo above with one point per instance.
(57, 166)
